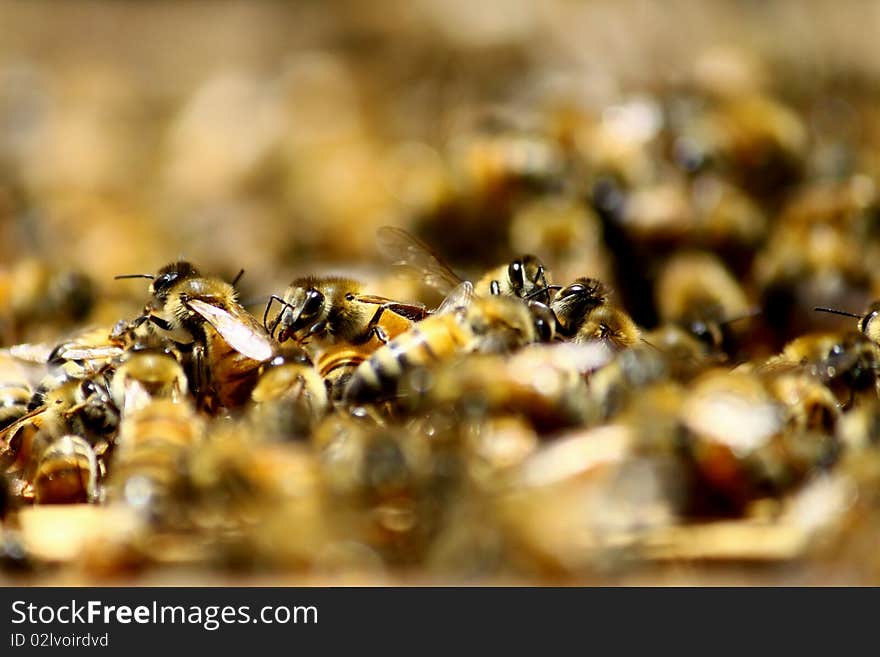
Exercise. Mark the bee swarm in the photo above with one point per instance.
(628, 339)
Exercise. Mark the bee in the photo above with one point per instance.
(228, 344)
(67, 473)
(741, 444)
(542, 383)
(34, 295)
(377, 481)
(144, 376)
(15, 390)
(148, 470)
(290, 396)
(524, 277)
(335, 309)
(696, 291)
(846, 363)
(611, 326)
(80, 407)
(338, 324)
(573, 303)
(463, 323)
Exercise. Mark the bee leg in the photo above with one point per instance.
(284, 304)
(495, 288)
(373, 327)
(158, 321)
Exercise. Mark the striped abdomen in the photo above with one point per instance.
(433, 339)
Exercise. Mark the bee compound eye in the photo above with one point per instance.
(516, 275)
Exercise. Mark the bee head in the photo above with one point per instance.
(305, 309)
(576, 300)
(169, 275)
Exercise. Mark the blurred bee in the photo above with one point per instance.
(462, 324)
(377, 481)
(228, 344)
(34, 296)
(611, 326)
(15, 390)
(740, 443)
(696, 291)
(848, 364)
(289, 398)
(67, 473)
(81, 407)
(542, 383)
(523, 277)
(148, 470)
(144, 376)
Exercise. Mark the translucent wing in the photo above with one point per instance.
(238, 328)
(459, 298)
(407, 251)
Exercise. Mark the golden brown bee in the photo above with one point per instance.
(542, 383)
(228, 343)
(143, 376)
(148, 470)
(289, 398)
(696, 291)
(611, 326)
(742, 444)
(338, 324)
(15, 390)
(377, 483)
(463, 324)
(573, 303)
(335, 309)
(67, 473)
(524, 277)
(34, 295)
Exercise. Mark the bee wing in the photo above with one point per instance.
(91, 353)
(31, 353)
(459, 298)
(413, 311)
(404, 250)
(238, 328)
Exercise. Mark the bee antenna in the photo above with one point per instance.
(121, 276)
(834, 311)
(542, 290)
(237, 277)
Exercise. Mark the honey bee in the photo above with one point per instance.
(696, 291)
(464, 323)
(847, 363)
(335, 309)
(741, 445)
(611, 326)
(148, 468)
(34, 295)
(377, 482)
(144, 376)
(573, 303)
(15, 390)
(80, 407)
(542, 383)
(229, 345)
(290, 396)
(524, 277)
(67, 473)
(338, 324)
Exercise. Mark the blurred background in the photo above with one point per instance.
(276, 137)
